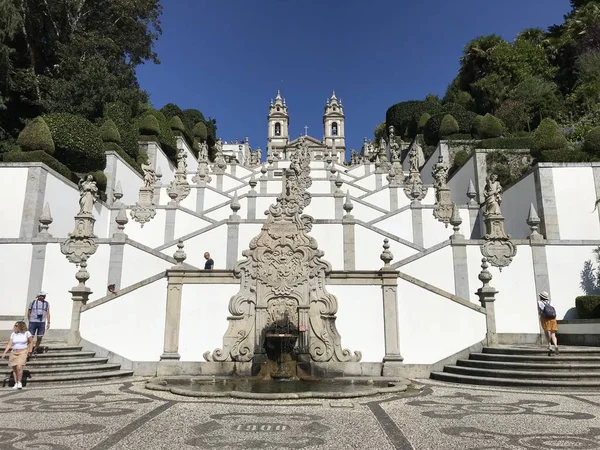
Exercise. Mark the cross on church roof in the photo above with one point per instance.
(305, 130)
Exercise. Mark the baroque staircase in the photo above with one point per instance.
(527, 366)
(64, 363)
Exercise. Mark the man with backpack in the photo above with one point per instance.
(38, 315)
(548, 320)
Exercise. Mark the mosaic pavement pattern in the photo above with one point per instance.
(123, 415)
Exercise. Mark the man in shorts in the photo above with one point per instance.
(38, 314)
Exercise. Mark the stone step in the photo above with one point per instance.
(536, 358)
(79, 377)
(527, 366)
(63, 370)
(61, 362)
(516, 382)
(524, 374)
(65, 354)
(564, 350)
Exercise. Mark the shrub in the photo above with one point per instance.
(422, 122)
(459, 137)
(109, 132)
(39, 156)
(431, 132)
(448, 126)
(166, 138)
(171, 110)
(36, 136)
(477, 125)
(148, 126)
(497, 163)
(563, 155)
(591, 144)
(190, 117)
(176, 125)
(77, 141)
(199, 132)
(588, 306)
(120, 113)
(117, 148)
(464, 118)
(506, 143)
(490, 127)
(547, 137)
(402, 115)
(460, 158)
(100, 180)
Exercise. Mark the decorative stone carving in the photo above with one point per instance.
(117, 194)
(391, 178)
(348, 206)
(283, 278)
(179, 256)
(413, 185)
(498, 249)
(386, 255)
(149, 175)
(80, 244)
(456, 221)
(235, 207)
(202, 178)
(395, 151)
(252, 182)
(45, 221)
(180, 185)
(471, 193)
(442, 210)
(88, 194)
(381, 163)
(121, 220)
(533, 221)
(220, 164)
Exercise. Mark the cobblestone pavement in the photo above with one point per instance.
(123, 415)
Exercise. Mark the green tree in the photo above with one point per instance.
(591, 144)
(515, 115)
(548, 137)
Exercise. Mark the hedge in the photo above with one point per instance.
(199, 132)
(36, 136)
(460, 158)
(563, 155)
(464, 117)
(100, 180)
(588, 306)
(176, 124)
(547, 136)
(190, 117)
(166, 138)
(77, 141)
(591, 144)
(489, 127)
(448, 126)
(120, 113)
(405, 114)
(109, 132)
(148, 126)
(171, 110)
(506, 143)
(38, 156)
(422, 122)
(131, 161)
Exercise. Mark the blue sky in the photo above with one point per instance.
(227, 58)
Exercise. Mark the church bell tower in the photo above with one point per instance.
(333, 127)
(279, 122)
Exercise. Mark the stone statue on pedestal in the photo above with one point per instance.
(88, 194)
(149, 175)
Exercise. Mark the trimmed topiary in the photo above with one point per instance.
(199, 132)
(506, 143)
(448, 126)
(547, 137)
(591, 144)
(404, 115)
(422, 122)
(490, 127)
(177, 125)
(148, 126)
(77, 141)
(563, 155)
(431, 132)
(109, 132)
(476, 125)
(171, 110)
(36, 136)
(100, 180)
(588, 306)
(39, 156)
(166, 138)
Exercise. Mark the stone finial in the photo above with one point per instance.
(179, 254)
(338, 184)
(121, 220)
(391, 177)
(348, 206)
(456, 220)
(158, 175)
(486, 293)
(252, 182)
(235, 204)
(415, 192)
(333, 170)
(471, 193)
(173, 194)
(533, 221)
(263, 171)
(118, 193)
(82, 275)
(386, 256)
(45, 221)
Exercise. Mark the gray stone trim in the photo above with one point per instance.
(417, 224)
(388, 215)
(233, 237)
(475, 223)
(190, 212)
(33, 202)
(220, 182)
(438, 291)
(378, 180)
(461, 269)
(190, 235)
(339, 207)
(170, 224)
(122, 292)
(393, 198)
(110, 171)
(420, 255)
(115, 265)
(568, 164)
(390, 236)
(367, 192)
(480, 166)
(197, 276)
(540, 273)
(251, 207)
(544, 189)
(233, 170)
(36, 273)
(360, 277)
(10, 318)
(349, 245)
(200, 200)
(153, 252)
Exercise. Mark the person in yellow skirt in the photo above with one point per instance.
(548, 320)
(20, 344)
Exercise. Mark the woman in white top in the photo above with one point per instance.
(20, 344)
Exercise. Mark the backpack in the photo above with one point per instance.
(549, 312)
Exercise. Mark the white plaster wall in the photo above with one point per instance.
(131, 182)
(190, 201)
(436, 268)
(426, 175)
(459, 183)
(212, 198)
(139, 314)
(368, 182)
(516, 202)
(102, 215)
(204, 312)
(248, 231)
(330, 239)
(382, 199)
(192, 162)
(166, 166)
(355, 191)
(399, 224)
(565, 264)
(435, 231)
(429, 198)
(369, 245)
(575, 195)
(274, 186)
(365, 213)
(516, 310)
(13, 181)
(242, 189)
(230, 182)
(213, 241)
(153, 232)
(98, 265)
(186, 223)
(321, 208)
(360, 320)
(433, 327)
(320, 187)
(221, 213)
(64, 204)
(139, 265)
(262, 205)
(242, 172)
(357, 171)
(14, 278)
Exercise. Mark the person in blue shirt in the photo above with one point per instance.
(38, 315)
(209, 264)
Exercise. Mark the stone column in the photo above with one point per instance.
(33, 202)
(392, 360)
(220, 182)
(38, 256)
(173, 313)
(393, 198)
(487, 297)
(459, 256)
(233, 233)
(378, 180)
(79, 296)
(417, 222)
(170, 222)
(348, 224)
(544, 185)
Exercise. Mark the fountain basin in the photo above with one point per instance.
(258, 389)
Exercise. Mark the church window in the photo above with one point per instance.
(277, 129)
(278, 108)
(334, 129)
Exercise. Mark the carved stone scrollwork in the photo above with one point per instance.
(80, 244)
(442, 210)
(413, 185)
(283, 271)
(220, 164)
(145, 209)
(180, 185)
